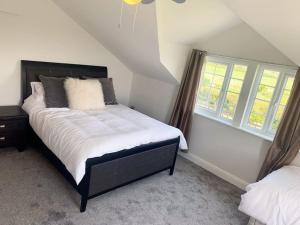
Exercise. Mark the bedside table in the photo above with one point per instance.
(13, 127)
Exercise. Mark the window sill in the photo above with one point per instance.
(265, 137)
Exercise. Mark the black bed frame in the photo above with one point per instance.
(109, 171)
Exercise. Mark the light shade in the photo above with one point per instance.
(132, 2)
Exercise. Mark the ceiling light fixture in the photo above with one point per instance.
(137, 3)
(132, 2)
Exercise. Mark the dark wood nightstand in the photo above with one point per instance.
(13, 127)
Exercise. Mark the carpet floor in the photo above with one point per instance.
(32, 192)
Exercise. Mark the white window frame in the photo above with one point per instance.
(248, 93)
(230, 62)
(284, 73)
(287, 75)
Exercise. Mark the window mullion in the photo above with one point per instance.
(252, 92)
(224, 89)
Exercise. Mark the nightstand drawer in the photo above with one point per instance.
(9, 140)
(10, 125)
(13, 127)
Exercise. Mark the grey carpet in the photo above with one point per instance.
(32, 192)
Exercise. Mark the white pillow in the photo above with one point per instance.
(37, 88)
(36, 100)
(33, 103)
(84, 94)
(275, 199)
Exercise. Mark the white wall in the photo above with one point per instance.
(228, 152)
(277, 21)
(243, 42)
(153, 97)
(226, 148)
(41, 31)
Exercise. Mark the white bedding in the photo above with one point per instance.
(275, 200)
(74, 136)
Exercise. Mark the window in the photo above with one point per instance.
(233, 91)
(211, 85)
(220, 87)
(270, 93)
(245, 94)
(263, 99)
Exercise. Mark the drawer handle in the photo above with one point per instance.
(2, 126)
(2, 138)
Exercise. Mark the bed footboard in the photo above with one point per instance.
(116, 170)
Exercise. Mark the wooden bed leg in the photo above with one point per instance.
(83, 203)
(171, 170)
(175, 157)
(85, 193)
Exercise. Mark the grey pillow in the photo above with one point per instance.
(55, 95)
(108, 90)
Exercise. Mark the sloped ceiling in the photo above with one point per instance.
(242, 41)
(277, 21)
(138, 49)
(181, 25)
(164, 32)
(194, 20)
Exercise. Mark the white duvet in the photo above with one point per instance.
(75, 136)
(275, 200)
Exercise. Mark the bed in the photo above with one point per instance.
(275, 200)
(107, 171)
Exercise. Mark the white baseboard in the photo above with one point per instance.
(215, 170)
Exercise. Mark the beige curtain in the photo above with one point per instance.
(185, 102)
(286, 144)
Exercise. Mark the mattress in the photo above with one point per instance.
(75, 136)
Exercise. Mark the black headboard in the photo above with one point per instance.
(31, 70)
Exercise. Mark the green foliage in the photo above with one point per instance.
(212, 83)
(263, 98)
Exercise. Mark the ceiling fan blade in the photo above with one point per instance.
(147, 1)
(179, 1)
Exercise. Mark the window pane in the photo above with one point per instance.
(203, 96)
(277, 117)
(230, 105)
(289, 83)
(207, 79)
(239, 72)
(214, 98)
(263, 98)
(282, 103)
(260, 107)
(269, 78)
(265, 92)
(235, 86)
(211, 85)
(233, 91)
(210, 67)
(221, 69)
(258, 114)
(218, 82)
(256, 120)
(285, 97)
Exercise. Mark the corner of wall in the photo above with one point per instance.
(153, 97)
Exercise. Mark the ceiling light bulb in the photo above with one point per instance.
(132, 2)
